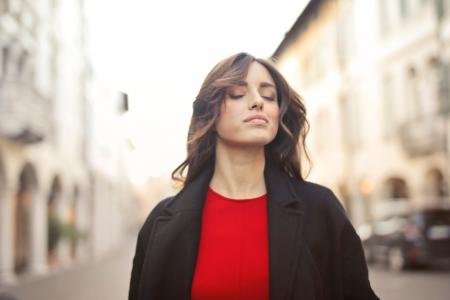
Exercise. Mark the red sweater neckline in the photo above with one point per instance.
(220, 196)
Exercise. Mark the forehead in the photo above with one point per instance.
(258, 73)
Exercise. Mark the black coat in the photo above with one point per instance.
(314, 252)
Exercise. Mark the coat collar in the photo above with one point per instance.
(183, 219)
(277, 183)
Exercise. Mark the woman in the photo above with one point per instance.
(246, 224)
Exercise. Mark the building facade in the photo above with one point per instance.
(374, 75)
(58, 206)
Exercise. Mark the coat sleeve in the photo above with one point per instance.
(136, 269)
(353, 272)
(141, 245)
(356, 285)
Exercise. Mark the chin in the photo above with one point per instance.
(247, 140)
(256, 141)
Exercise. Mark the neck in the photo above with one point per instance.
(239, 171)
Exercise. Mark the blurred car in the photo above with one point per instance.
(418, 238)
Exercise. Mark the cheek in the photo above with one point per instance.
(274, 114)
(230, 113)
(225, 121)
(276, 127)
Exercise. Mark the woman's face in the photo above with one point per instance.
(249, 112)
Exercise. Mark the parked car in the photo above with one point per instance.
(420, 237)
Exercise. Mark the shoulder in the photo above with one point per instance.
(157, 211)
(320, 195)
(319, 200)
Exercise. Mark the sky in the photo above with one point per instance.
(159, 52)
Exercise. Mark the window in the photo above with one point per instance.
(444, 105)
(386, 13)
(22, 63)
(383, 16)
(347, 43)
(4, 7)
(350, 120)
(441, 8)
(388, 106)
(404, 8)
(435, 90)
(412, 94)
(4, 61)
(394, 13)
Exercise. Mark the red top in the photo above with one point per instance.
(233, 257)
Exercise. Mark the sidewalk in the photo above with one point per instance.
(107, 278)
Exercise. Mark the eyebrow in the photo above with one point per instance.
(262, 85)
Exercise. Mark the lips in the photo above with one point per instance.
(256, 117)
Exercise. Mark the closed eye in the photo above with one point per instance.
(268, 98)
(235, 96)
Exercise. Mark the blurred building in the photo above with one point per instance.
(113, 204)
(64, 195)
(152, 192)
(374, 75)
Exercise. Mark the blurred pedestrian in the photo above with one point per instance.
(247, 225)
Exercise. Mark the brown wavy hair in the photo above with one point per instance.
(201, 143)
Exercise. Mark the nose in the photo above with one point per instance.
(256, 101)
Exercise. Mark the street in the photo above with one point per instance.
(411, 285)
(106, 279)
(109, 279)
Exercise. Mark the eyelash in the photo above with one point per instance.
(240, 96)
(236, 96)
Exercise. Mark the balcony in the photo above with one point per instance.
(25, 115)
(424, 136)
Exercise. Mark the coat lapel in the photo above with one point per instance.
(285, 212)
(183, 221)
